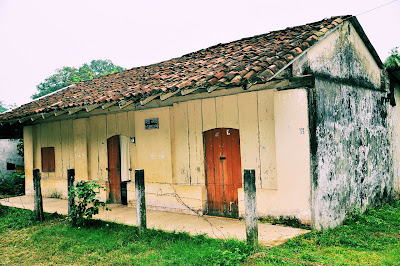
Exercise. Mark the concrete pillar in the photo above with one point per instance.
(38, 201)
(140, 199)
(250, 204)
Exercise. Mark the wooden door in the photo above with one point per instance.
(114, 169)
(223, 170)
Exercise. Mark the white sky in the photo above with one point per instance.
(37, 37)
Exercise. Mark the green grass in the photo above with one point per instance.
(25, 241)
(372, 238)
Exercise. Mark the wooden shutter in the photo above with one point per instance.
(48, 159)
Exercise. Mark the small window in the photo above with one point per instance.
(48, 159)
(10, 166)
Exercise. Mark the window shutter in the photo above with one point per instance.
(48, 159)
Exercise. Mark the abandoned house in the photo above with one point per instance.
(310, 108)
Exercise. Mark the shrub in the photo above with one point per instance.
(86, 203)
(13, 185)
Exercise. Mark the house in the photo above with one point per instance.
(310, 108)
(10, 160)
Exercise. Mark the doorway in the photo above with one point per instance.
(114, 169)
(119, 169)
(223, 171)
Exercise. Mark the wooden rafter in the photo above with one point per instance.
(125, 104)
(73, 111)
(188, 91)
(106, 105)
(22, 120)
(91, 107)
(149, 99)
(60, 112)
(212, 88)
(165, 96)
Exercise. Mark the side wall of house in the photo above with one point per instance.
(394, 126)
(274, 141)
(351, 162)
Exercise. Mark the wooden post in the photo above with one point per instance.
(38, 204)
(140, 199)
(250, 204)
(71, 179)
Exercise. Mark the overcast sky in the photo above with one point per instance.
(37, 37)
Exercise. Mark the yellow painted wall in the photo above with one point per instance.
(80, 128)
(173, 155)
(255, 114)
(292, 193)
(28, 159)
(154, 146)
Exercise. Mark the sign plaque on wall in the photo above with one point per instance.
(151, 123)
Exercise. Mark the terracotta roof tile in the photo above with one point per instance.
(249, 60)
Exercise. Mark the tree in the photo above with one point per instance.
(394, 59)
(66, 76)
(4, 107)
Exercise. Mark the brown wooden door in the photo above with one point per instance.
(223, 169)
(114, 169)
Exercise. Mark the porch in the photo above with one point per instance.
(215, 227)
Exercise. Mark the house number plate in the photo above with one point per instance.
(151, 123)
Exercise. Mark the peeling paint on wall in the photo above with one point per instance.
(349, 144)
(352, 157)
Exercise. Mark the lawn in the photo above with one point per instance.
(370, 238)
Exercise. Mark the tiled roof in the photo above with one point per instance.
(243, 62)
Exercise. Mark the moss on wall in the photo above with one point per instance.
(349, 144)
(352, 151)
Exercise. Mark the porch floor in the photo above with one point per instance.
(216, 227)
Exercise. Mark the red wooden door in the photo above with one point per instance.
(223, 169)
(114, 169)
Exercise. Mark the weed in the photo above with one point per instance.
(55, 195)
(86, 204)
(285, 220)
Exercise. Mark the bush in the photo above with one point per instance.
(86, 203)
(13, 185)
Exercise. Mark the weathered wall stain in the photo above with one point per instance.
(352, 151)
(349, 145)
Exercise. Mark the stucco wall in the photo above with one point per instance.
(351, 152)
(351, 163)
(394, 126)
(8, 154)
(272, 143)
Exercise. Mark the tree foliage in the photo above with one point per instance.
(394, 59)
(4, 107)
(66, 76)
